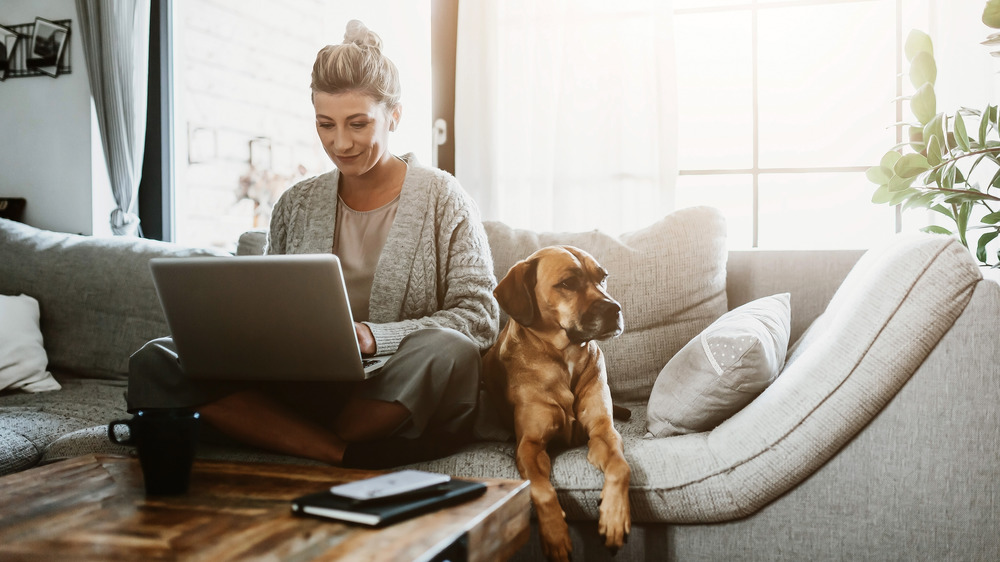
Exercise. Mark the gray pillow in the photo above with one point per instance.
(722, 369)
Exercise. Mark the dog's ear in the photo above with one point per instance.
(516, 292)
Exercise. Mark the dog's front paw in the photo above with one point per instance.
(556, 543)
(615, 522)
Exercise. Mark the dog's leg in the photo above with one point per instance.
(534, 464)
(607, 453)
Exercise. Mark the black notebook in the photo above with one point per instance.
(387, 510)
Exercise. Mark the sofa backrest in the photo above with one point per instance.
(97, 300)
(811, 276)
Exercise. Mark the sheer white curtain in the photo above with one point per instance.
(565, 113)
(116, 44)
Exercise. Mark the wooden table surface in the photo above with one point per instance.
(94, 508)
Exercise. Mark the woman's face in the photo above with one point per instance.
(354, 130)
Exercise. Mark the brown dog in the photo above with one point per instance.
(546, 376)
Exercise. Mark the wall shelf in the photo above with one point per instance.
(18, 64)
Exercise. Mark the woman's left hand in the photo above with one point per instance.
(365, 338)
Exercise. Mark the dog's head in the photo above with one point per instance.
(561, 287)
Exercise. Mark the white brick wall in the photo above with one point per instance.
(242, 73)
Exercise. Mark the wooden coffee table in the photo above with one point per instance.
(94, 508)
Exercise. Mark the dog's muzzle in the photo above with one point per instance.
(603, 320)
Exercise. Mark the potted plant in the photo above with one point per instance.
(950, 163)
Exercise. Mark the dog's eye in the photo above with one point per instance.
(570, 284)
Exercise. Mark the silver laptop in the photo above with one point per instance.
(283, 317)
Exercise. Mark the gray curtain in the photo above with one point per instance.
(115, 37)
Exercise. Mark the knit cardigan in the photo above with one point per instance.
(435, 270)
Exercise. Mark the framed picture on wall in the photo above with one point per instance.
(46, 46)
(8, 44)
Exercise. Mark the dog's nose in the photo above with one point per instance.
(608, 312)
(607, 308)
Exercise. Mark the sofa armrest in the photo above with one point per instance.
(920, 482)
(812, 277)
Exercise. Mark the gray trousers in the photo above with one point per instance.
(434, 374)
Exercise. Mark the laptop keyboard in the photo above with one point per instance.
(368, 362)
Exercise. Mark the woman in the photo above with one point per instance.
(419, 275)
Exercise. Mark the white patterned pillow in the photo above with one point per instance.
(722, 369)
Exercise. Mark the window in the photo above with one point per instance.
(244, 126)
(783, 105)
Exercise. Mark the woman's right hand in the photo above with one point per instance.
(366, 341)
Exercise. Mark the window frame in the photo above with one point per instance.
(755, 171)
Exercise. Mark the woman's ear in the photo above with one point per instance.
(394, 116)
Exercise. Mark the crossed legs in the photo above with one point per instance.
(252, 417)
(429, 386)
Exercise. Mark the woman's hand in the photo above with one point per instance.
(365, 338)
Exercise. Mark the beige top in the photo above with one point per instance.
(358, 242)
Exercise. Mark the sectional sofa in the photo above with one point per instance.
(879, 439)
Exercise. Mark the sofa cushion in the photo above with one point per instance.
(669, 277)
(722, 369)
(30, 423)
(26, 431)
(22, 356)
(96, 295)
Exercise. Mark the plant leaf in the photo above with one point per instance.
(923, 104)
(933, 151)
(916, 42)
(962, 220)
(991, 14)
(900, 196)
(916, 135)
(936, 229)
(983, 241)
(935, 127)
(922, 200)
(899, 184)
(923, 69)
(910, 166)
(933, 176)
(944, 211)
(889, 159)
(881, 195)
(963, 198)
(879, 175)
(948, 176)
(961, 137)
(984, 126)
(991, 218)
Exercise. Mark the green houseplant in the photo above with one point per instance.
(950, 163)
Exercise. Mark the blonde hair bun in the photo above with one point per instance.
(359, 34)
(357, 64)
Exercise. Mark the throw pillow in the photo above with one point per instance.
(670, 278)
(722, 369)
(22, 357)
